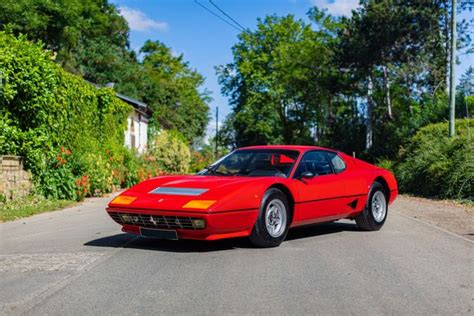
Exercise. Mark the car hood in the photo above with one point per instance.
(173, 192)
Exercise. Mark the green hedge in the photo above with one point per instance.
(434, 165)
(70, 133)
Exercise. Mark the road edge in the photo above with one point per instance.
(435, 227)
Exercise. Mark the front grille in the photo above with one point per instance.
(155, 221)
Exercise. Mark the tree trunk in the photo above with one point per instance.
(316, 132)
(331, 116)
(388, 101)
(370, 108)
(354, 109)
(282, 112)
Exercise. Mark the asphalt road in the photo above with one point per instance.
(77, 262)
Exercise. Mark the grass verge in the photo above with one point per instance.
(30, 205)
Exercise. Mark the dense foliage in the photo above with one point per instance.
(70, 132)
(434, 165)
(90, 38)
(362, 84)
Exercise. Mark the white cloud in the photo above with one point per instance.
(337, 7)
(138, 21)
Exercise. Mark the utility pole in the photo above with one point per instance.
(217, 131)
(452, 64)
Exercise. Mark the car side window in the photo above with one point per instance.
(315, 162)
(337, 163)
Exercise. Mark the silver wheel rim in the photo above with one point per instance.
(275, 218)
(379, 206)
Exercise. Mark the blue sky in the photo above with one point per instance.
(206, 41)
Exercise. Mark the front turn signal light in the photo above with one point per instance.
(199, 204)
(123, 200)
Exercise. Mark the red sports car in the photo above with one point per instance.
(259, 192)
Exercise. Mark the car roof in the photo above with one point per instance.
(300, 148)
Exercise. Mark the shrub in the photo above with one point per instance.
(434, 165)
(386, 164)
(201, 159)
(171, 152)
(57, 180)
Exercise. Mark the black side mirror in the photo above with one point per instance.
(307, 175)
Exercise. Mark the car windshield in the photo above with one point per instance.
(254, 163)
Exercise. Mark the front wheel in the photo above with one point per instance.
(375, 212)
(273, 221)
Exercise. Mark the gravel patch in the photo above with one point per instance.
(456, 218)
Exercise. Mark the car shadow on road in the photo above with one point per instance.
(134, 242)
(321, 229)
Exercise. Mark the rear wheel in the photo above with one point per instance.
(375, 212)
(272, 223)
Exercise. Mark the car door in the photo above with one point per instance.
(321, 197)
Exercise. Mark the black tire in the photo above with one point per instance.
(366, 220)
(260, 235)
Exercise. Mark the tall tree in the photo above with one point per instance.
(388, 37)
(278, 81)
(173, 91)
(71, 29)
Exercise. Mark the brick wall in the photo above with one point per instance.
(14, 181)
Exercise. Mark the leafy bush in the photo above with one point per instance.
(171, 152)
(386, 164)
(434, 165)
(70, 133)
(201, 159)
(57, 180)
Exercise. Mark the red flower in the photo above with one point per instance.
(60, 160)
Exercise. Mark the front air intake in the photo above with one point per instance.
(157, 221)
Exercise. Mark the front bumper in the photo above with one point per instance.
(218, 225)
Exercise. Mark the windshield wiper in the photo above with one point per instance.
(209, 170)
(213, 170)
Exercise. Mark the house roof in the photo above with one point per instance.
(139, 106)
(143, 109)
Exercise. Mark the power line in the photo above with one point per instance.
(216, 15)
(228, 16)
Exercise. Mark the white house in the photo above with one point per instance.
(136, 135)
